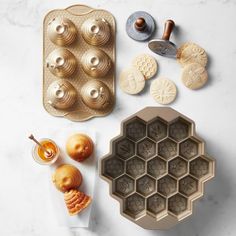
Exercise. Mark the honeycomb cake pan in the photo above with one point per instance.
(79, 49)
(157, 167)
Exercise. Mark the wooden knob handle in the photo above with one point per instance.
(169, 26)
(140, 24)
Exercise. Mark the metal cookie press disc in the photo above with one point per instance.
(163, 47)
(140, 26)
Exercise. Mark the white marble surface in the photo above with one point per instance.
(25, 208)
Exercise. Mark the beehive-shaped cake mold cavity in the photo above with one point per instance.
(95, 94)
(96, 63)
(61, 31)
(61, 94)
(79, 46)
(61, 62)
(157, 167)
(96, 31)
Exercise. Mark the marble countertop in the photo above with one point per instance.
(25, 205)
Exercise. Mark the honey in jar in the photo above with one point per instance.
(46, 155)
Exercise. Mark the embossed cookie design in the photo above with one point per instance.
(194, 76)
(163, 90)
(192, 53)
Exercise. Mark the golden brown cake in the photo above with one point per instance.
(67, 177)
(76, 201)
(79, 147)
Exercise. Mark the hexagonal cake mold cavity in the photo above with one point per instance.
(157, 129)
(135, 167)
(145, 185)
(167, 148)
(156, 204)
(146, 149)
(167, 185)
(96, 63)
(189, 148)
(61, 63)
(160, 168)
(177, 204)
(179, 129)
(125, 148)
(156, 167)
(188, 186)
(134, 205)
(178, 167)
(135, 129)
(201, 167)
(123, 186)
(113, 167)
(63, 30)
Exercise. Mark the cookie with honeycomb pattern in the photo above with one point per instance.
(146, 64)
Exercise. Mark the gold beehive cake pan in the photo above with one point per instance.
(157, 167)
(79, 50)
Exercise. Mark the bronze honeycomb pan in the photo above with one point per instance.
(68, 34)
(157, 167)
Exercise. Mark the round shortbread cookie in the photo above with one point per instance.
(163, 91)
(193, 54)
(145, 64)
(132, 81)
(194, 76)
(182, 47)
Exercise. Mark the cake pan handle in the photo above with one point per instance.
(79, 10)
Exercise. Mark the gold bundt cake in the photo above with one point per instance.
(79, 147)
(67, 177)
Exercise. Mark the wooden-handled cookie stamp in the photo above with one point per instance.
(163, 46)
(140, 26)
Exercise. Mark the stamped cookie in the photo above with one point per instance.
(182, 47)
(192, 53)
(194, 76)
(132, 81)
(163, 91)
(146, 64)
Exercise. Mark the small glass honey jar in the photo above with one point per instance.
(45, 151)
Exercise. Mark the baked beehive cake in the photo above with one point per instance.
(79, 48)
(157, 167)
